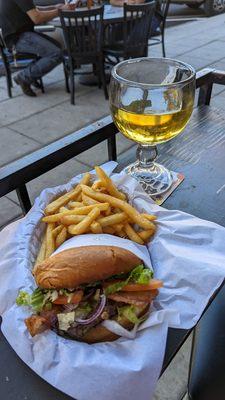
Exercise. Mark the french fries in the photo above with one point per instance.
(96, 227)
(135, 216)
(108, 184)
(145, 235)
(74, 204)
(76, 211)
(57, 230)
(61, 238)
(132, 234)
(83, 226)
(149, 217)
(93, 207)
(109, 229)
(50, 240)
(61, 201)
(71, 219)
(112, 219)
(86, 179)
(42, 251)
(88, 201)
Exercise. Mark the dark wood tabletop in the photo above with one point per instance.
(199, 154)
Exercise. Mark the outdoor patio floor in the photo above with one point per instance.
(27, 124)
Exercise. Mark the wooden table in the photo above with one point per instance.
(198, 153)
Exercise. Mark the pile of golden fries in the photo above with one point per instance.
(93, 207)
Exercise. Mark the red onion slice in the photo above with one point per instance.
(95, 314)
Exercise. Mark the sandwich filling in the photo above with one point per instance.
(72, 312)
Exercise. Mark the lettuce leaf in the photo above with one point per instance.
(37, 300)
(115, 287)
(139, 274)
(34, 300)
(23, 299)
(145, 276)
(129, 313)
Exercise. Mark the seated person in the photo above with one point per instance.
(155, 22)
(17, 20)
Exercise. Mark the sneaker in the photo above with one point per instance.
(24, 86)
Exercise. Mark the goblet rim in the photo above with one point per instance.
(128, 82)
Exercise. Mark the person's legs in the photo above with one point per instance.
(50, 55)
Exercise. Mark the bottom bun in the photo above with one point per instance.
(99, 333)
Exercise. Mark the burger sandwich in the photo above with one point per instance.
(80, 288)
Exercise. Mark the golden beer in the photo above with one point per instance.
(151, 101)
(151, 129)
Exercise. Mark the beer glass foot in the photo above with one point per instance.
(154, 178)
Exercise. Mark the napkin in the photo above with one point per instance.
(186, 253)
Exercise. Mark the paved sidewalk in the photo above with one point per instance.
(27, 124)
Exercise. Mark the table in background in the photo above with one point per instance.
(111, 15)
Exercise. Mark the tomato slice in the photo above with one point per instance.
(75, 299)
(136, 298)
(137, 287)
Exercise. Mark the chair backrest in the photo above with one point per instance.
(137, 26)
(3, 49)
(83, 32)
(2, 42)
(162, 9)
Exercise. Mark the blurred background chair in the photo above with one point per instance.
(161, 13)
(12, 61)
(129, 39)
(83, 34)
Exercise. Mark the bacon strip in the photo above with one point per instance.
(36, 324)
(40, 323)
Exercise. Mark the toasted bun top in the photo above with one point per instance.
(73, 267)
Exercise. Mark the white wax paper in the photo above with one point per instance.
(186, 253)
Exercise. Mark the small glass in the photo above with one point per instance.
(151, 101)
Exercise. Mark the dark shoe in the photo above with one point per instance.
(36, 84)
(24, 86)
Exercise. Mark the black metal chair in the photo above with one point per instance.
(83, 33)
(161, 12)
(11, 61)
(131, 39)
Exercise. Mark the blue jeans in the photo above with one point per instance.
(49, 53)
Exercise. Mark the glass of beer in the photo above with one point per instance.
(151, 101)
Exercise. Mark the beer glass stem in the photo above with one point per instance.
(146, 155)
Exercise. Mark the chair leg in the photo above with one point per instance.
(42, 86)
(98, 74)
(8, 77)
(163, 45)
(66, 78)
(9, 83)
(103, 78)
(72, 87)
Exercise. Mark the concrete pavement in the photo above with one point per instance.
(27, 124)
